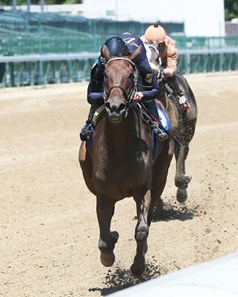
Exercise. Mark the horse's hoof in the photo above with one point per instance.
(182, 195)
(137, 271)
(107, 259)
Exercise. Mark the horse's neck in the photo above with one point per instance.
(124, 133)
(119, 146)
(120, 137)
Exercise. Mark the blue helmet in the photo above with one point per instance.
(117, 47)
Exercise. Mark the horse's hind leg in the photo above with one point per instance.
(141, 234)
(108, 239)
(181, 180)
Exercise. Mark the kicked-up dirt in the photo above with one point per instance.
(48, 226)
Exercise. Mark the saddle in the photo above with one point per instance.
(171, 105)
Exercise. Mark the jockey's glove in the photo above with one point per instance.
(161, 74)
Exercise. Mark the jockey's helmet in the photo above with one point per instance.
(155, 33)
(117, 47)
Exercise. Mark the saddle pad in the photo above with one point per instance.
(164, 119)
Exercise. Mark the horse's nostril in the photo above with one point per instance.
(115, 108)
(107, 105)
(121, 107)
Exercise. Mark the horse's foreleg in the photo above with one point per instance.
(141, 234)
(181, 180)
(108, 239)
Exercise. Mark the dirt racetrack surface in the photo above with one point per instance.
(48, 226)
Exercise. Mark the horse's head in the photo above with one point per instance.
(120, 83)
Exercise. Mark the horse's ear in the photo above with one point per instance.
(136, 53)
(105, 52)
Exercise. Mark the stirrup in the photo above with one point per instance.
(86, 132)
(160, 133)
(155, 127)
(183, 102)
(184, 106)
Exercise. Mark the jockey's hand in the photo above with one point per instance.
(161, 74)
(138, 96)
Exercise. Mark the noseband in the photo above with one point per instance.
(128, 95)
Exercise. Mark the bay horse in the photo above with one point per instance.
(183, 124)
(120, 160)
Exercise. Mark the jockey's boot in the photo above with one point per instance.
(154, 124)
(183, 101)
(88, 128)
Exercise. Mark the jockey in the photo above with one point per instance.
(122, 46)
(156, 35)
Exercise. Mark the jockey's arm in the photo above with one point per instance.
(171, 60)
(148, 91)
(95, 98)
(95, 86)
(171, 68)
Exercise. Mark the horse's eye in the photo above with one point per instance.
(131, 76)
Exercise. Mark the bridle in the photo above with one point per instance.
(128, 95)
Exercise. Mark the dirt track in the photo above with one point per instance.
(48, 227)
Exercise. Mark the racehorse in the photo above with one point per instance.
(182, 123)
(121, 160)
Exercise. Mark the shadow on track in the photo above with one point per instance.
(174, 212)
(118, 279)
